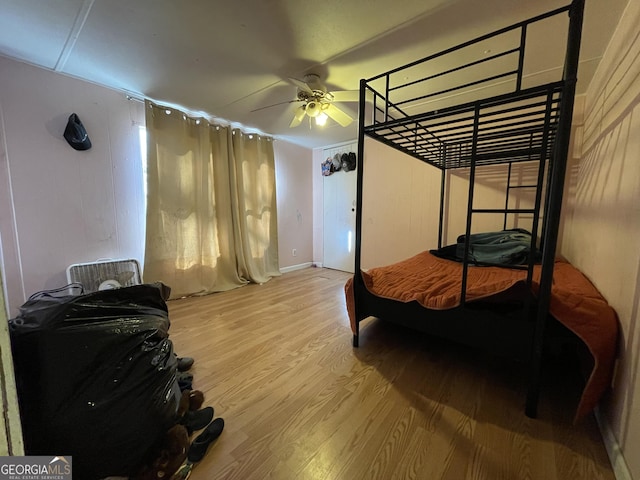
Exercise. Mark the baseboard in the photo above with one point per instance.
(296, 267)
(616, 457)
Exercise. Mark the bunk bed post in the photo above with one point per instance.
(472, 179)
(357, 277)
(443, 172)
(506, 200)
(523, 40)
(552, 220)
(542, 163)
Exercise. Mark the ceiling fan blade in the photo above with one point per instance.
(301, 85)
(276, 104)
(338, 115)
(297, 118)
(344, 96)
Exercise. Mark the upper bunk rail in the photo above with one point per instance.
(457, 69)
(519, 25)
(515, 113)
(409, 100)
(508, 129)
(463, 86)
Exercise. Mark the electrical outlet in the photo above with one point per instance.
(294, 252)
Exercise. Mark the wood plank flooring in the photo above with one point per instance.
(299, 402)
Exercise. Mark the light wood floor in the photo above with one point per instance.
(299, 402)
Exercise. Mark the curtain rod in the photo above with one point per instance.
(220, 121)
(135, 99)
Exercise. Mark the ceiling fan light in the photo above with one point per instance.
(313, 109)
(321, 119)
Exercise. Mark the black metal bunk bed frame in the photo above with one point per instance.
(521, 125)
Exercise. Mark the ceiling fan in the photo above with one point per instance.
(318, 103)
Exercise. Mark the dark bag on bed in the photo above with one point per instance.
(506, 247)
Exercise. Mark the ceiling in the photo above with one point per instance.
(225, 59)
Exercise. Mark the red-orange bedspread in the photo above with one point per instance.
(575, 302)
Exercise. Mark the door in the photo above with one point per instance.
(339, 226)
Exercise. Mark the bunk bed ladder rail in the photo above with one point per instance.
(358, 283)
(535, 211)
(554, 203)
(470, 211)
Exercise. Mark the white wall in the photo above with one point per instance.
(318, 204)
(295, 204)
(602, 230)
(401, 199)
(60, 206)
(400, 205)
(400, 217)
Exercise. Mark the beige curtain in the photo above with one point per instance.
(211, 205)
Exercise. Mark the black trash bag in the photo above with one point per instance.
(96, 377)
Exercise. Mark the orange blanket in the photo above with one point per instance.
(575, 302)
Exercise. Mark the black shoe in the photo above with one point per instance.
(185, 381)
(197, 420)
(201, 444)
(184, 363)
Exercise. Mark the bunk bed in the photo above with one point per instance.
(505, 117)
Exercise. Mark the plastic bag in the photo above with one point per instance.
(96, 377)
